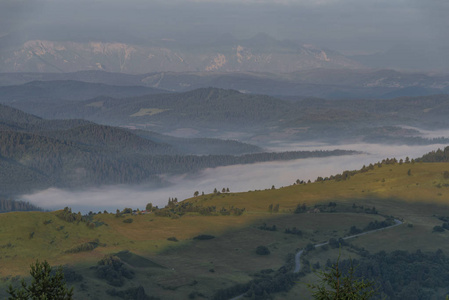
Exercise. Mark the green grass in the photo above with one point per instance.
(206, 266)
(148, 112)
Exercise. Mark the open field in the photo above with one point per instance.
(169, 269)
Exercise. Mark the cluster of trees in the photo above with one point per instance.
(177, 209)
(372, 226)
(293, 230)
(266, 282)
(7, 205)
(436, 156)
(88, 246)
(112, 269)
(67, 215)
(264, 226)
(136, 293)
(403, 274)
(300, 208)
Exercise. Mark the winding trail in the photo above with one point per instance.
(299, 253)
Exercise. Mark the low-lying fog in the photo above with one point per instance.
(237, 178)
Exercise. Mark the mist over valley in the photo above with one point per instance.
(238, 178)
(223, 150)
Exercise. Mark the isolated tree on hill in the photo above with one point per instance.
(44, 285)
(196, 194)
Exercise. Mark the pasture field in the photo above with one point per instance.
(416, 193)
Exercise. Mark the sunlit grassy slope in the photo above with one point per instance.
(424, 184)
(413, 191)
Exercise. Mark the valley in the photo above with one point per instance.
(268, 176)
(185, 265)
(224, 150)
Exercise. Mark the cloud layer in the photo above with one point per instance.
(237, 178)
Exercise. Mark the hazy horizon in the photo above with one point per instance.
(405, 30)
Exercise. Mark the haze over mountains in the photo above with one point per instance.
(260, 53)
(322, 83)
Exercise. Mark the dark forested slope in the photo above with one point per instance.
(37, 153)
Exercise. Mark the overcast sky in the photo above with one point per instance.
(344, 25)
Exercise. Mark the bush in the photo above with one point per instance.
(84, 247)
(128, 220)
(204, 237)
(172, 239)
(137, 293)
(438, 229)
(262, 250)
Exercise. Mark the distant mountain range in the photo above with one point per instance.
(260, 53)
(322, 83)
(230, 114)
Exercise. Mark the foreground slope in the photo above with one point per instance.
(414, 192)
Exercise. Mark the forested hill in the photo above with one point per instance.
(63, 90)
(36, 154)
(212, 113)
(7, 205)
(202, 108)
(436, 156)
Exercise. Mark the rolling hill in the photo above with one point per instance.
(36, 154)
(225, 114)
(167, 257)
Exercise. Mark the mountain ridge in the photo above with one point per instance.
(260, 53)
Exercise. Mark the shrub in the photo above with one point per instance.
(128, 220)
(84, 247)
(204, 237)
(438, 229)
(262, 250)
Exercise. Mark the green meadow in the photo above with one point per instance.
(170, 264)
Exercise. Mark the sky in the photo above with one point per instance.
(348, 26)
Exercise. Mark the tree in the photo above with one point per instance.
(334, 285)
(149, 207)
(45, 285)
(196, 194)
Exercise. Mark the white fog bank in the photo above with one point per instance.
(237, 178)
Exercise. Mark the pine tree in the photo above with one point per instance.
(337, 286)
(44, 285)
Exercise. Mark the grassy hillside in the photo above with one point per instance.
(174, 265)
